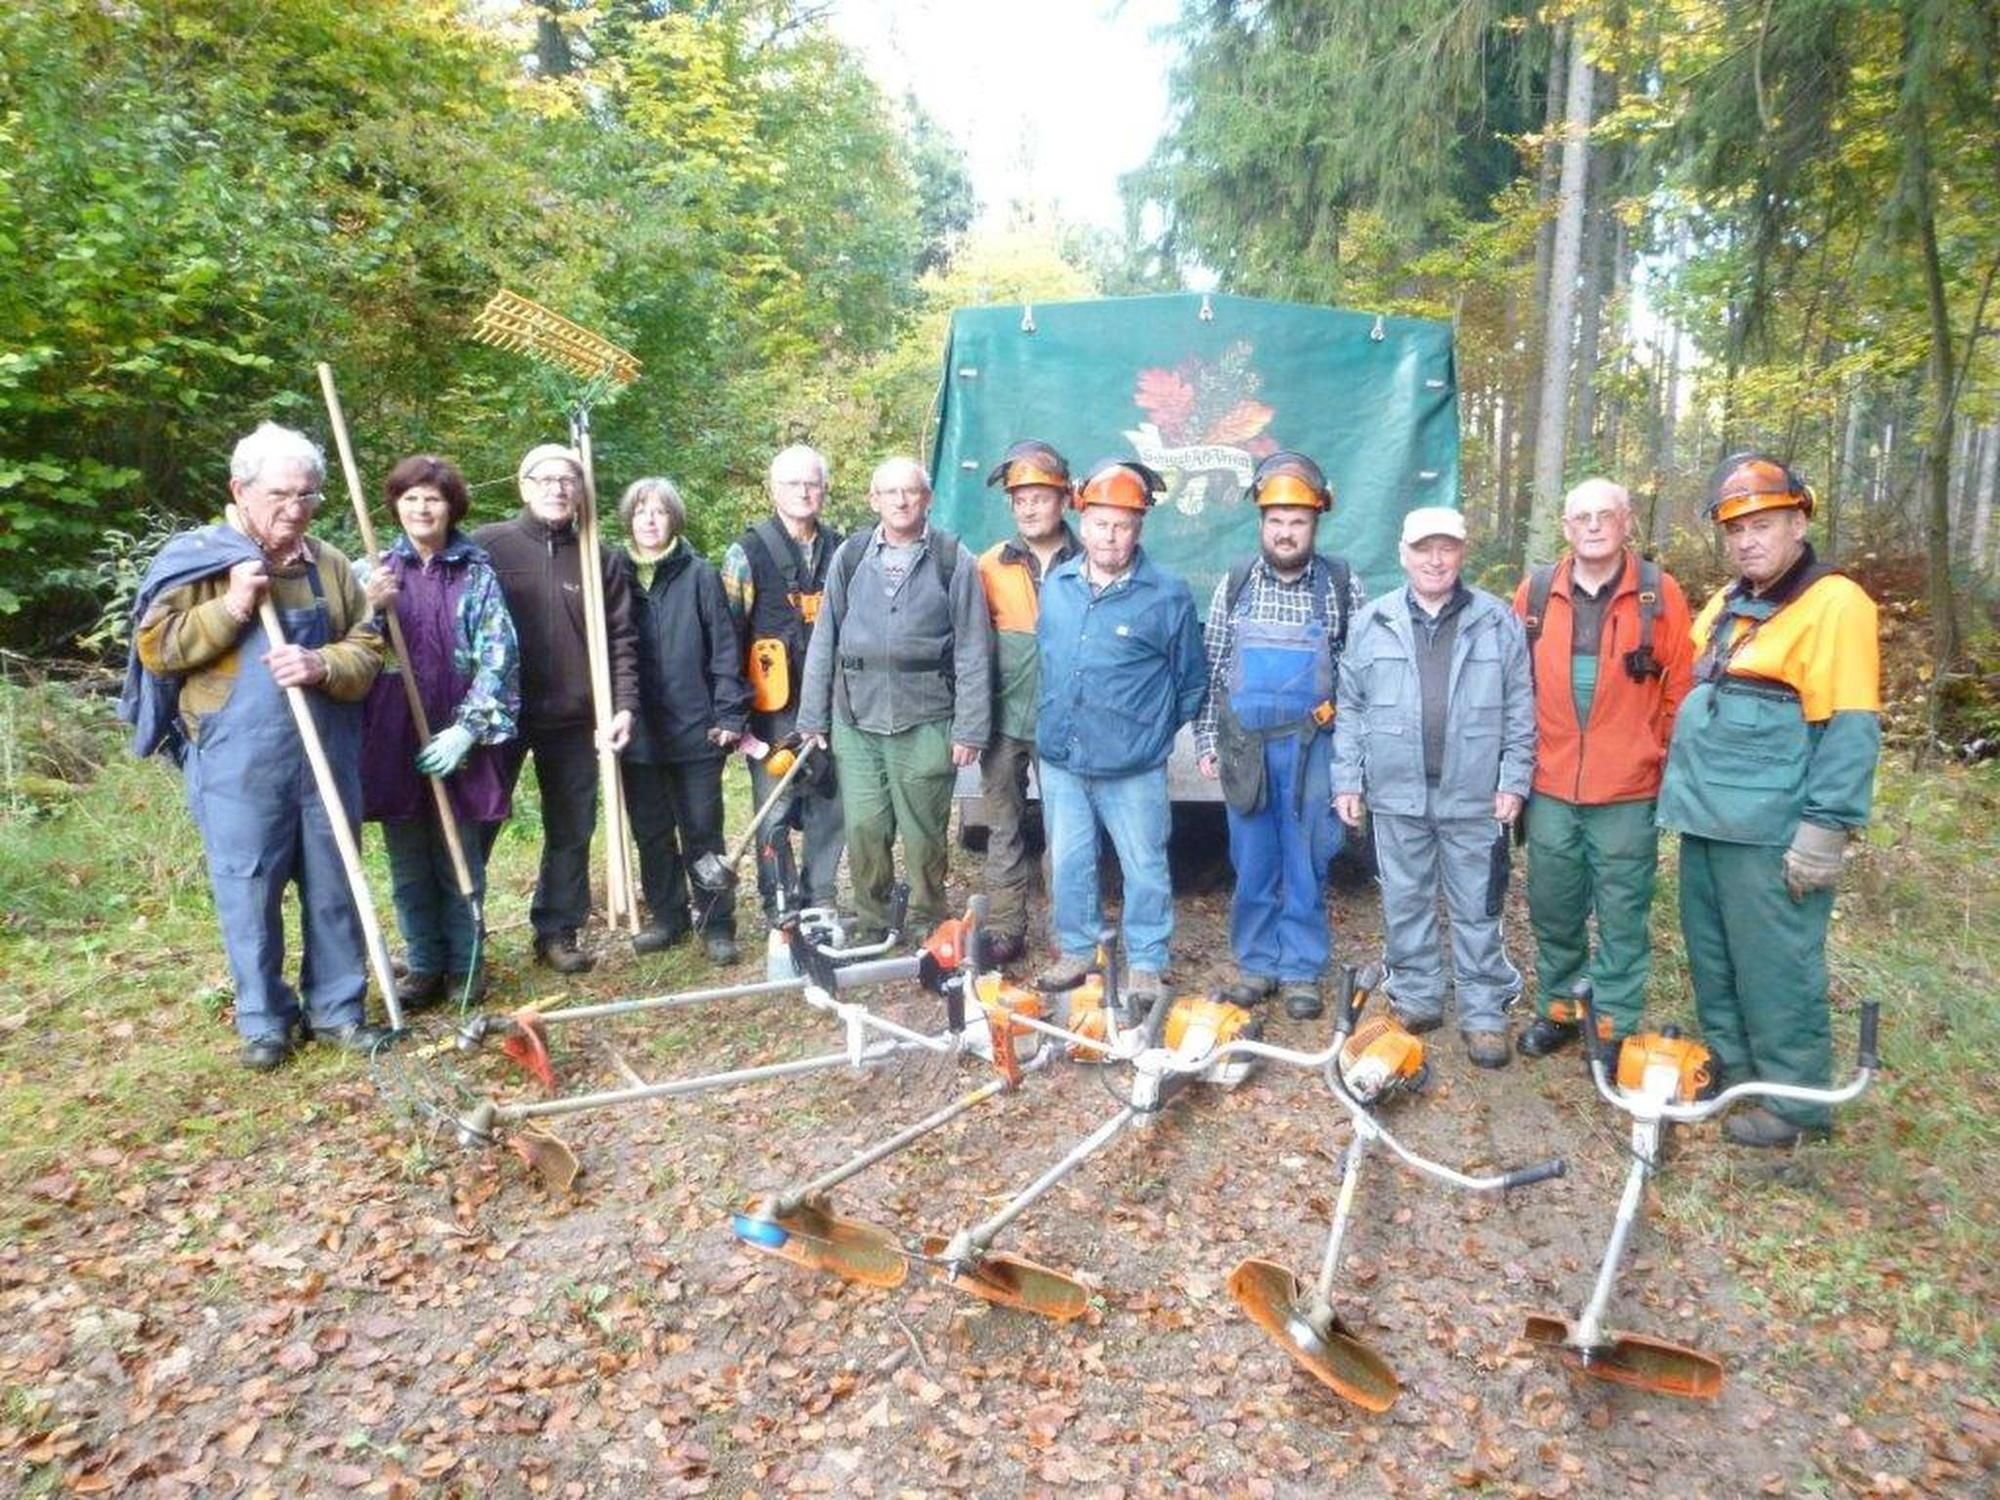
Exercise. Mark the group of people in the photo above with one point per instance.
(1593, 710)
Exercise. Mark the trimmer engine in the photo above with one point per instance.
(1382, 1059)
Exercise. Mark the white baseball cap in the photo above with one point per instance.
(1433, 520)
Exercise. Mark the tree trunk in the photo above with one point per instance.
(1548, 179)
(1982, 508)
(1594, 259)
(1504, 403)
(1559, 332)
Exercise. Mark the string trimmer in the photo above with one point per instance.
(1368, 1063)
(1658, 1078)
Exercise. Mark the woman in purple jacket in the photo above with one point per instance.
(466, 663)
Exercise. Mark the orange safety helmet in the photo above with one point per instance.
(1122, 482)
(1746, 483)
(1030, 461)
(1288, 478)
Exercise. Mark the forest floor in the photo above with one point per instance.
(219, 1283)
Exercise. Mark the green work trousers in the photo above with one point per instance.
(1758, 960)
(1010, 871)
(1592, 861)
(895, 785)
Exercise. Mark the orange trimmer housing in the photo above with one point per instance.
(1692, 1063)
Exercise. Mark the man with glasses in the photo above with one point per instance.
(899, 676)
(539, 562)
(774, 577)
(206, 686)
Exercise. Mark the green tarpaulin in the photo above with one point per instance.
(1201, 387)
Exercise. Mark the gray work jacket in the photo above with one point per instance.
(883, 663)
(1378, 739)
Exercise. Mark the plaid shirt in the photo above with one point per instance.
(1265, 597)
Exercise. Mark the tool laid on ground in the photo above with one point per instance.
(1662, 1078)
(1368, 1063)
(943, 967)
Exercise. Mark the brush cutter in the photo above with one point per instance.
(1660, 1078)
(1368, 1063)
(716, 873)
(943, 967)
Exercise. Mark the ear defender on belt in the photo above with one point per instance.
(1288, 478)
(1030, 461)
(1124, 483)
(1746, 483)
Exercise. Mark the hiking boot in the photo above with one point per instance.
(1143, 987)
(563, 955)
(1066, 973)
(646, 940)
(415, 992)
(263, 1054)
(1302, 1001)
(720, 947)
(1544, 1036)
(467, 989)
(1250, 990)
(1487, 1049)
(1415, 1025)
(361, 1037)
(1764, 1130)
(999, 949)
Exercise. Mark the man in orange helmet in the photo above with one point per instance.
(1122, 670)
(1772, 763)
(1037, 483)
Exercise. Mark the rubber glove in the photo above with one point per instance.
(447, 748)
(1814, 860)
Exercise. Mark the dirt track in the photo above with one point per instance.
(415, 1320)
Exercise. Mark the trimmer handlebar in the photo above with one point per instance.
(1865, 1057)
(1555, 1166)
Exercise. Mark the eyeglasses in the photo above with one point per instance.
(284, 498)
(554, 481)
(808, 485)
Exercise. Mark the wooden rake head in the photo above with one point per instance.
(512, 322)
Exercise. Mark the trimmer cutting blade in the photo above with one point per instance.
(528, 1044)
(548, 1157)
(818, 1240)
(1280, 1304)
(1011, 1281)
(1633, 1359)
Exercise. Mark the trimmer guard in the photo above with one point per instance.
(547, 1156)
(811, 1237)
(1010, 1281)
(1632, 1359)
(527, 1043)
(1277, 1302)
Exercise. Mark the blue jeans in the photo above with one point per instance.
(1135, 811)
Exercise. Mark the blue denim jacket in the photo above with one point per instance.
(1121, 672)
(1378, 741)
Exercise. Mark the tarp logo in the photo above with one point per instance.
(1206, 429)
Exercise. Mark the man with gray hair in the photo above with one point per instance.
(899, 675)
(207, 684)
(774, 577)
(1610, 640)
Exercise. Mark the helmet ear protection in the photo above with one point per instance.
(1288, 478)
(1031, 461)
(1745, 483)
(1124, 483)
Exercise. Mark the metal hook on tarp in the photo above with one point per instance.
(1027, 317)
(1377, 333)
(1207, 313)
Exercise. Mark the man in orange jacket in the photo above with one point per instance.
(1608, 633)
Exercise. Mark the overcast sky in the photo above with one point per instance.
(1050, 98)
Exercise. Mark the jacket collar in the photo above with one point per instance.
(1795, 580)
(458, 549)
(1014, 550)
(1627, 581)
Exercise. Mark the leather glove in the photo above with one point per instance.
(1814, 861)
(444, 752)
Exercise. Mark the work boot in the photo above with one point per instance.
(1487, 1049)
(720, 947)
(1066, 973)
(262, 1054)
(361, 1037)
(1143, 987)
(1415, 1025)
(1545, 1035)
(1250, 990)
(417, 992)
(1765, 1130)
(467, 990)
(999, 949)
(563, 955)
(1302, 1001)
(655, 939)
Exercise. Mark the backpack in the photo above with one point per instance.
(944, 557)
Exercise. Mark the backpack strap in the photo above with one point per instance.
(1541, 579)
(1649, 601)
